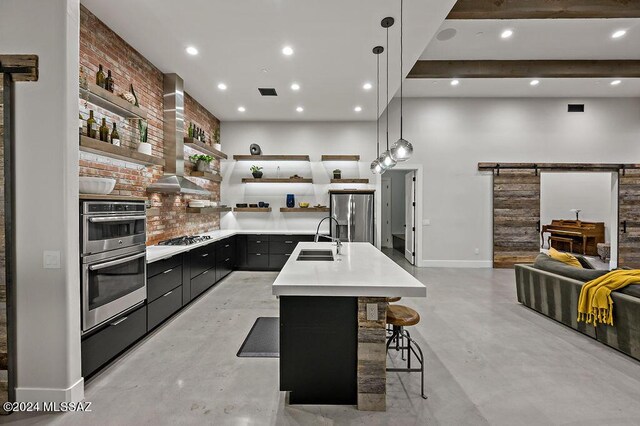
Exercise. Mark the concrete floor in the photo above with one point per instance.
(489, 361)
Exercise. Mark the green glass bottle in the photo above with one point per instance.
(100, 78)
(109, 82)
(190, 131)
(90, 123)
(115, 137)
(104, 131)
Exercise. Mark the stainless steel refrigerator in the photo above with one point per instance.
(354, 212)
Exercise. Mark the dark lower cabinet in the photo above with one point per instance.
(258, 261)
(159, 285)
(202, 282)
(163, 307)
(277, 261)
(241, 252)
(262, 252)
(100, 347)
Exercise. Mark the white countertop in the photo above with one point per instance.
(362, 271)
(155, 253)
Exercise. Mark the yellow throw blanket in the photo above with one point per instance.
(595, 303)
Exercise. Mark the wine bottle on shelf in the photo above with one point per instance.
(100, 78)
(190, 131)
(109, 82)
(104, 131)
(90, 123)
(115, 137)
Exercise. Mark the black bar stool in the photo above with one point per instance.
(399, 317)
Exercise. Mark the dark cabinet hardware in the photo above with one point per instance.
(168, 293)
(167, 271)
(205, 255)
(288, 242)
(120, 321)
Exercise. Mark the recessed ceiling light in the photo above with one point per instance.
(241, 109)
(506, 33)
(367, 86)
(358, 109)
(455, 82)
(534, 82)
(222, 86)
(192, 50)
(295, 86)
(618, 34)
(299, 109)
(616, 82)
(287, 50)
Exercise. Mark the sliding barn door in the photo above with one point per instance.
(516, 217)
(629, 214)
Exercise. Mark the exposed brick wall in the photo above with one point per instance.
(100, 45)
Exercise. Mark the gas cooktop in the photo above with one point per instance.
(185, 240)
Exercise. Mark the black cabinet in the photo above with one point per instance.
(202, 259)
(277, 261)
(163, 307)
(202, 282)
(165, 281)
(225, 257)
(241, 252)
(100, 347)
(263, 252)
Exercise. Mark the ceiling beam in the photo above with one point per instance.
(544, 9)
(526, 69)
(21, 67)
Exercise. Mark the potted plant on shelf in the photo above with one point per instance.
(337, 174)
(202, 161)
(256, 172)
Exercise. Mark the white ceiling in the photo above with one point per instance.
(532, 39)
(237, 40)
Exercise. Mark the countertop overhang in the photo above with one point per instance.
(361, 271)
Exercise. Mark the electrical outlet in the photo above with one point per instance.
(426, 222)
(51, 260)
(372, 312)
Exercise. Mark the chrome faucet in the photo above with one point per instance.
(328, 237)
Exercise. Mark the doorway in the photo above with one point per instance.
(578, 211)
(398, 224)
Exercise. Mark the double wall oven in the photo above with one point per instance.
(113, 260)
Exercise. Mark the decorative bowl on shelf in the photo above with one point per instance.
(242, 205)
(198, 203)
(96, 185)
(303, 205)
(266, 205)
(253, 206)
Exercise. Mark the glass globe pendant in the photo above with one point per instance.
(401, 150)
(387, 160)
(376, 167)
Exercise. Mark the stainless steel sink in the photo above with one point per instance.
(318, 255)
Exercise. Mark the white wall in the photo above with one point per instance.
(450, 136)
(398, 201)
(46, 154)
(312, 138)
(589, 192)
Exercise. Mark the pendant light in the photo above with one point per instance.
(386, 159)
(376, 167)
(402, 149)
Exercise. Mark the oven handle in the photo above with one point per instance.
(115, 219)
(115, 262)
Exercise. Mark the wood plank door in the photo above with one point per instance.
(629, 215)
(516, 217)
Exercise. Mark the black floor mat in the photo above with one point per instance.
(263, 340)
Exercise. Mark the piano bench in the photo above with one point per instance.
(563, 240)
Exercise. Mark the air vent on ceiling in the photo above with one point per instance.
(267, 91)
(575, 108)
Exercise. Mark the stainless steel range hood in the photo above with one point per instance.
(173, 181)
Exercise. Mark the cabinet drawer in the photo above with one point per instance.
(258, 261)
(100, 347)
(162, 308)
(282, 247)
(160, 266)
(223, 268)
(202, 259)
(225, 249)
(163, 282)
(285, 237)
(202, 282)
(258, 246)
(277, 261)
(258, 237)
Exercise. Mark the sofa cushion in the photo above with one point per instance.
(564, 257)
(631, 290)
(584, 262)
(548, 264)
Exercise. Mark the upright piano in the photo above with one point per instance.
(585, 235)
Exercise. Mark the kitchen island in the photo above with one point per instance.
(332, 323)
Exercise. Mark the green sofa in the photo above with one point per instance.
(552, 288)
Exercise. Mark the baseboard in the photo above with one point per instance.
(74, 393)
(424, 263)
